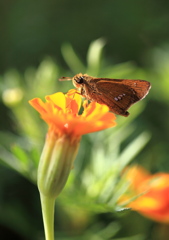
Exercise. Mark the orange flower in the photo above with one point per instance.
(60, 112)
(66, 127)
(153, 201)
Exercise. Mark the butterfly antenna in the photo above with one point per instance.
(65, 79)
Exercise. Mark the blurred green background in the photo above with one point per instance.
(41, 41)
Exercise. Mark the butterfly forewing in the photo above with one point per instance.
(120, 94)
(137, 87)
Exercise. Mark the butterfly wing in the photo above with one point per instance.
(120, 94)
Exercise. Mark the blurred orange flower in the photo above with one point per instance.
(60, 112)
(153, 189)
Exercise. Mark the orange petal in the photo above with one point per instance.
(57, 99)
(38, 104)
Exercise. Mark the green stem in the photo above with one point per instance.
(48, 205)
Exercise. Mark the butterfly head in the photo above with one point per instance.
(78, 80)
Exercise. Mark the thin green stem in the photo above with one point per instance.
(48, 205)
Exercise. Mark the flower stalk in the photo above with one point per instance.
(48, 206)
(54, 167)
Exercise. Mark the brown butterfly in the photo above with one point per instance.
(117, 94)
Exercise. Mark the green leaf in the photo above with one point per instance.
(72, 60)
(94, 56)
(21, 155)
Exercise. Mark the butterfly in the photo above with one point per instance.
(117, 94)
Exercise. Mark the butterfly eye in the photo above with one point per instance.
(79, 80)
